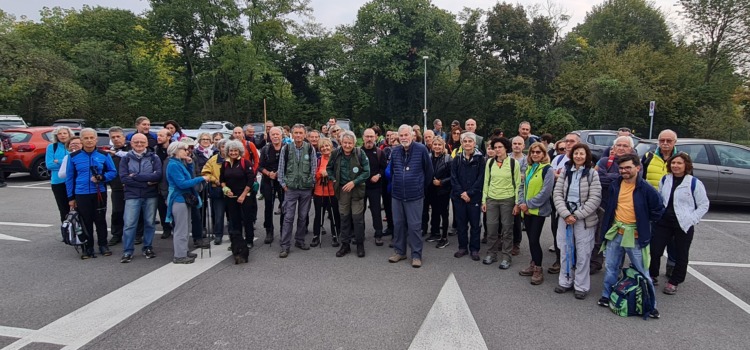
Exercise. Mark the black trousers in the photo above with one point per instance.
(438, 218)
(372, 200)
(534, 225)
(665, 232)
(242, 216)
(330, 205)
(161, 206)
(387, 206)
(93, 211)
(61, 199)
(271, 189)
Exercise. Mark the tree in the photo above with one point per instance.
(624, 23)
(720, 31)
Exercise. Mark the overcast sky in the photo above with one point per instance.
(328, 12)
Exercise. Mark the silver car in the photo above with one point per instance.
(723, 167)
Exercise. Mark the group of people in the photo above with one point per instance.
(622, 204)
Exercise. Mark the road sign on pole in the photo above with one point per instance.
(651, 109)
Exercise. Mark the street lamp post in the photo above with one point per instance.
(424, 110)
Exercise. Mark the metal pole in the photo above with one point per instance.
(424, 111)
(651, 129)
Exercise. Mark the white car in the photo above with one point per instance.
(214, 126)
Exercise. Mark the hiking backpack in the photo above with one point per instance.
(6, 144)
(73, 232)
(632, 295)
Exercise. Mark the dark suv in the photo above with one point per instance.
(599, 140)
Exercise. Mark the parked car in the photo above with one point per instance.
(29, 148)
(214, 126)
(71, 123)
(723, 167)
(12, 121)
(345, 124)
(599, 140)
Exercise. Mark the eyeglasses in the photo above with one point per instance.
(561, 149)
(138, 142)
(536, 152)
(457, 133)
(627, 168)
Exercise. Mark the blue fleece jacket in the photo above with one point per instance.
(80, 163)
(180, 179)
(467, 176)
(53, 155)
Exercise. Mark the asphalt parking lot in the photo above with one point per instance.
(313, 300)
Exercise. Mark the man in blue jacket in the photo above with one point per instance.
(88, 172)
(626, 225)
(411, 172)
(140, 173)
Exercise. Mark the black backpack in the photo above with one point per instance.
(73, 231)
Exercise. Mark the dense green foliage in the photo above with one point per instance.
(193, 60)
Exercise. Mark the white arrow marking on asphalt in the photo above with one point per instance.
(24, 224)
(449, 324)
(11, 238)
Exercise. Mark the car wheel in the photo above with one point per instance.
(39, 170)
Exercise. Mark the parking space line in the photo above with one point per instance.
(30, 188)
(24, 224)
(97, 317)
(726, 221)
(36, 184)
(709, 263)
(719, 289)
(11, 238)
(14, 332)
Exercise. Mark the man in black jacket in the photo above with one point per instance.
(374, 187)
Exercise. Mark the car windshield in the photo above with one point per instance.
(18, 137)
(602, 139)
(12, 122)
(206, 126)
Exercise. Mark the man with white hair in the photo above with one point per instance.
(411, 172)
(471, 126)
(269, 183)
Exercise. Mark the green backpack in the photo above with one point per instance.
(632, 295)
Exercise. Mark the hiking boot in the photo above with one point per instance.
(126, 259)
(138, 240)
(538, 276)
(670, 289)
(416, 263)
(504, 265)
(217, 240)
(301, 245)
(378, 241)
(361, 250)
(554, 269)
(433, 238)
(183, 260)
(315, 241)
(200, 244)
(488, 260)
(594, 268)
(396, 258)
(560, 289)
(269, 237)
(460, 253)
(345, 249)
(475, 256)
(104, 250)
(166, 235)
(284, 253)
(192, 255)
(442, 244)
(603, 302)
(528, 271)
(114, 241)
(149, 253)
(581, 295)
(515, 250)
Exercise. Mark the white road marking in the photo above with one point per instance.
(30, 188)
(24, 224)
(92, 320)
(719, 289)
(13, 332)
(36, 184)
(709, 263)
(449, 324)
(11, 238)
(726, 221)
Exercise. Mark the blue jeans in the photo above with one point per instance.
(407, 226)
(134, 208)
(613, 257)
(218, 208)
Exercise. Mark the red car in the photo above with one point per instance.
(29, 149)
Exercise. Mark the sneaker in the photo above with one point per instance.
(654, 314)
(670, 289)
(603, 302)
(166, 235)
(560, 289)
(594, 268)
(126, 258)
(488, 260)
(379, 242)
(475, 256)
(315, 241)
(433, 238)
(451, 231)
(183, 260)
(217, 240)
(284, 253)
(580, 295)
(138, 240)
(114, 241)
(504, 265)
(554, 269)
(149, 253)
(301, 245)
(396, 258)
(442, 244)
(192, 255)
(104, 251)
(416, 263)
(460, 253)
